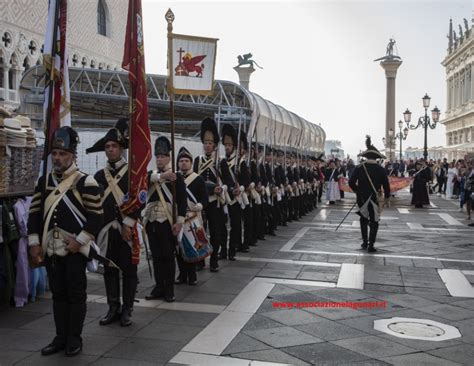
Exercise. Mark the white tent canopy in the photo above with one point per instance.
(273, 125)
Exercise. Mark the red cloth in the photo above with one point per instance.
(139, 129)
(55, 63)
(396, 184)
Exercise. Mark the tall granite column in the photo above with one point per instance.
(390, 66)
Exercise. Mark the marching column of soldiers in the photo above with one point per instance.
(240, 198)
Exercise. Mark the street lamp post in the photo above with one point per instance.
(424, 121)
(391, 141)
(402, 135)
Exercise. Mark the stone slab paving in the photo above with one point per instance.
(403, 274)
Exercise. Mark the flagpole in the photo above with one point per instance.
(170, 18)
(47, 122)
(130, 108)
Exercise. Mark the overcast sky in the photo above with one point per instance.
(317, 56)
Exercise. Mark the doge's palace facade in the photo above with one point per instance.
(95, 34)
(459, 117)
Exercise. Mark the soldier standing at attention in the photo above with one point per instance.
(62, 232)
(115, 238)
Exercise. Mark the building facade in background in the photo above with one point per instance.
(459, 116)
(95, 34)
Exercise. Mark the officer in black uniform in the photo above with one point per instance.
(208, 167)
(161, 227)
(62, 227)
(115, 238)
(366, 181)
(197, 199)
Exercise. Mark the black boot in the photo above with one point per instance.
(364, 232)
(374, 226)
(112, 288)
(77, 314)
(60, 311)
(129, 291)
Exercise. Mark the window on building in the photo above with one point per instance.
(11, 75)
(102, 18)
(26, 63)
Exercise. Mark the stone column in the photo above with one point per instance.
(6, 69)
(244, 75)
(390, 66)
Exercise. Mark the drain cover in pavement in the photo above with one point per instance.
(414, 329)
(422, 329)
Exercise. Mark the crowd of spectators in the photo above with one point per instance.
(452, 180)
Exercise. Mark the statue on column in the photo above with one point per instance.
(389, 55)
(247, 60)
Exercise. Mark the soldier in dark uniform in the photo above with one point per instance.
(366, 181)
(256, 199)
(207, 167)
(245, 181)
(115, 238)
(303, 186)
(63, 231)
(296, 188)
(230, 178)
(262, 188)
(198, 200)
(160, 225)
(312, 180)
(320, 174)
(280, 180)
(271, 193)
(290, 189)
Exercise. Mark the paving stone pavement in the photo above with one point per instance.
(230, 317)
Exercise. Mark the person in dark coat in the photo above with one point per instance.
(115, 238)
(421, 177)
(366, 181)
